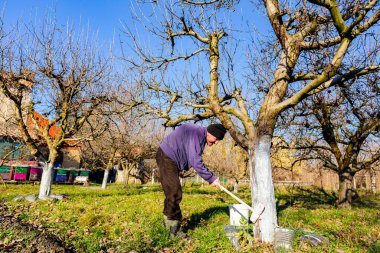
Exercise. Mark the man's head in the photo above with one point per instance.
(215, 133)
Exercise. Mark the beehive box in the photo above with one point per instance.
(21, 173)
(61, 172)
(85, 173)
(35, 174)
(60, 178)
(5, 172)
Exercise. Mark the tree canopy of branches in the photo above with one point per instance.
(67, 74)
(118, 138)
(343, 129)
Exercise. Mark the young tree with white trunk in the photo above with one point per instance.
(68, 74)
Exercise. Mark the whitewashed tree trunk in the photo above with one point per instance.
(153, 172)
(46, 181)
(235, 187)
(263, 188)
(105, 179)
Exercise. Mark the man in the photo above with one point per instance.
(181, 150)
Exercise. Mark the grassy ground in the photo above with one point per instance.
(124, 219)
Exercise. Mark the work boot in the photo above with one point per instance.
(174, 228)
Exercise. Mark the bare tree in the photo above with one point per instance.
(68, 77)
(118, 135)
(227, 159)
(343, 132)
(141, 146)
(302, 29)
(101, 143)
(113, 142)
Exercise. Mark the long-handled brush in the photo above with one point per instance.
(256, 211)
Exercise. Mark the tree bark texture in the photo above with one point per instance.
(345, 191)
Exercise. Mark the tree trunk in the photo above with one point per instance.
(153, 174)
(46, 180)
(126, 177)
(373, 180)
(105, 179)
(345, 191)
(263, 188)
(123, 175)
(120, 176)
(236, 186)
(128, 172)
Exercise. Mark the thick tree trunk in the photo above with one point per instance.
(128, 173)
(263, 188)
(105, 179)
(345, 191)
(120, 176)
(46, 180)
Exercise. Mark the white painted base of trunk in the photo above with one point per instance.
(46, 181)
(105, 179)
(263, 189)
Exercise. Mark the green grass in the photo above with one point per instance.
(130, 218)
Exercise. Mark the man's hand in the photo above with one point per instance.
(216, 183)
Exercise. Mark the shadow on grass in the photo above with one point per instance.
(314, 197)
(365, 202)
(97, 191)
(309, 198)
(198, 219)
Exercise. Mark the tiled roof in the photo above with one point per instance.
(54, 130)
(42, 122)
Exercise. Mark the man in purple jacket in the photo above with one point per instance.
(181, 150)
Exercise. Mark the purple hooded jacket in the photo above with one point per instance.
(185, 146)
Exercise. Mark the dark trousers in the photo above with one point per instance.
(169, 175)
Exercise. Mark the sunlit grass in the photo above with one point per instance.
(130, 218)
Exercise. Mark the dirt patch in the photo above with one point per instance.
(19, 236)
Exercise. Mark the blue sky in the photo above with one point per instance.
(102, 16)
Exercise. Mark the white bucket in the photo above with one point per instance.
(239, 214)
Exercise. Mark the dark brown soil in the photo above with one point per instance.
(21, 237)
